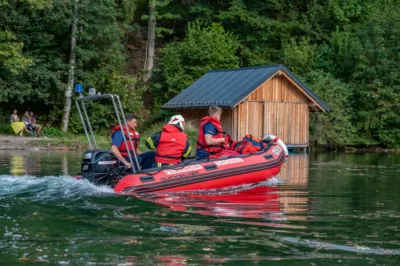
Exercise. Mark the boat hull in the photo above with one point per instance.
(213, 174)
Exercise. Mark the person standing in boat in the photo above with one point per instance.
(119, 148)
(211, 137)
(171, 143)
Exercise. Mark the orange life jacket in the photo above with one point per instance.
(135, 139)
(171, 146)
(201, 142)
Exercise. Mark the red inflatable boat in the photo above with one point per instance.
(231, 171)
(101, 167)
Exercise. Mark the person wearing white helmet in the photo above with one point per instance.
(171, 143)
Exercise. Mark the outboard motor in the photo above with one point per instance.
(101, 167)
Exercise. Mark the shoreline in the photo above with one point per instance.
(10, 142)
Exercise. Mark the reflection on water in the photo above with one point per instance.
(281, 198)
(17, 163)
(257, 201)
(293, 193)
(325, 209)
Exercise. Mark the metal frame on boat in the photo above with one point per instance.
(119, 113)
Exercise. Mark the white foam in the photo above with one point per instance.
(48, 188)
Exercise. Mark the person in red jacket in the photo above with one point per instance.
(120, 149)
(170, 143)
(211, 138)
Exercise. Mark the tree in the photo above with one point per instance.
(38, 28)
(299, 56)
(151, 39)
(205, 48)
(334, 129)
(11, 57)
(377, 77)
(71, 72)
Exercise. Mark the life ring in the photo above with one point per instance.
(276, 140)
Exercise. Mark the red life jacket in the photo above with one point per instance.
(171, 146)
(135, 139)
(214, 150)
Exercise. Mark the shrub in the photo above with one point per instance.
(5, 128)
(52, 132)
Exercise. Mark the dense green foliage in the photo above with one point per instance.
(203, 49)
(34, 74)
(347, 52)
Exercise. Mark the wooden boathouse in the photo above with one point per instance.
(255, 100)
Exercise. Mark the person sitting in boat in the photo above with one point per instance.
(211, 137)
(120, 150)
(171, 143)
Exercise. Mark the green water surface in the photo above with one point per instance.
(323, 209)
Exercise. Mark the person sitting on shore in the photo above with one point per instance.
(17, 126)
(27, 122)
(171, 143)
(34, 124)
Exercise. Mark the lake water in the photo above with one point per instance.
(323, 209)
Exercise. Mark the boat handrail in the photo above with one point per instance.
(119, 113)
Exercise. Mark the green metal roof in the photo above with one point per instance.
(228, 87)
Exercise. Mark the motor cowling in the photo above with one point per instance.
(101, 167)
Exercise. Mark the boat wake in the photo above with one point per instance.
(48, 188)
(349, 248)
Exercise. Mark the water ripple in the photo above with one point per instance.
(48, 188)
(325, 209)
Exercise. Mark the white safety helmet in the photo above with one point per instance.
(177, 120)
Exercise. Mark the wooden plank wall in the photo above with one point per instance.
(288, 121)
(193, 117)
(250, 119)
(227, 120)
(277, 89)
(277, 107)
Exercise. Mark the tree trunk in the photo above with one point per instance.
(71, 72)
(151, 39)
